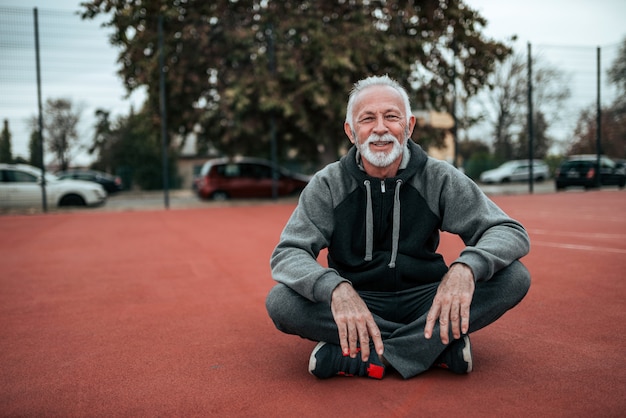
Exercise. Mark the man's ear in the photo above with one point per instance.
(412, 122)
(348, 130)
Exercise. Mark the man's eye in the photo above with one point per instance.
(367, 120)
(392, 117)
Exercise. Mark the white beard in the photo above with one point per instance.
(380, 158)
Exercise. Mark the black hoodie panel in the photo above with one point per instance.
(417, 262)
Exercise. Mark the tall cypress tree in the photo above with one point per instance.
(5, 144)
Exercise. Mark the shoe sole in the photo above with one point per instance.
(312, 359)
(467, 354)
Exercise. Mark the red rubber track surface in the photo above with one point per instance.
(161, 313)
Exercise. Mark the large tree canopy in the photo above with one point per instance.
(234, 65)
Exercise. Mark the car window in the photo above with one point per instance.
(13, 176)
(83, 176)
(229, 170)
(607, 164)
(256, 171)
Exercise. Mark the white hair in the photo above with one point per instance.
(383, 80)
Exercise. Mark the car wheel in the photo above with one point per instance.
(220, 196)
(72, 200)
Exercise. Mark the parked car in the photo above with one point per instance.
(581, 170)
(112, 184)
(20, 186)
(224, 178)
(516, 170)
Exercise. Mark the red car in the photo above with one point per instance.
(225, 178)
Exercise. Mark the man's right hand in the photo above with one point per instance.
(355, 322)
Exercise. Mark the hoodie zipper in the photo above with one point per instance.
(382, 186)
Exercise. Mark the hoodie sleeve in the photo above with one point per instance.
(308, 231)
(493, 240)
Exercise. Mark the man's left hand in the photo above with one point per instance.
(451, 304)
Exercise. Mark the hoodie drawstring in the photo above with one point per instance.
(369, 224)
(395, 234)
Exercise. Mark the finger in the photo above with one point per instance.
(444, 327)
(343, 339)
(444, 321)
(353, 338)
(455, 320)
(376, 337)
(465, 315)
(364, 341)
(433, 314)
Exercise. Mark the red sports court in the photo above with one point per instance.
(161, 313)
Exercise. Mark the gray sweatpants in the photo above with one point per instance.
(401, 316)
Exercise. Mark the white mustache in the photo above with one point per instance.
(381, 138)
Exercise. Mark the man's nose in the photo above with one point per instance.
(380, 124)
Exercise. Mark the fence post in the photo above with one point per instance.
(531, 132)
(164, 147)
(598, 125)
(44, 199)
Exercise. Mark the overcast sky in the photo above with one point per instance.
(558, 22)
(549, 25)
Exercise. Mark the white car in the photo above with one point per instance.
(20, 187)
(516, 170)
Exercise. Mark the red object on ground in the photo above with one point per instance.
(161, 313)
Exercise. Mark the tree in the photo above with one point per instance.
(103, 142)
(617, 72)
(60, 122)
(131, 148)
(541, 139)
(234, 67)
(6, 155)
(505, 102)
(613, 127)
(36, 157)
(613, 122)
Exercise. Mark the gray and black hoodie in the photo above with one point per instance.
(383, 234)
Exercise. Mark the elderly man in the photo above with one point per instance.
(387, 300)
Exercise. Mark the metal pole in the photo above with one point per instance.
(598, 125)
(273, 145)
(455, 119)
(166, 196)
(531, 131)
(44, 199)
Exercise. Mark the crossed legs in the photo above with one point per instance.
(400, 316)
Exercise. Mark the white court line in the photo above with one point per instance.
(578, 247)
(577, 234)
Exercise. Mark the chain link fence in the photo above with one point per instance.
(77, 63)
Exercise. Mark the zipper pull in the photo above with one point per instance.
(382, 186)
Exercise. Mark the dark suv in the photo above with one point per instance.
(582, 171)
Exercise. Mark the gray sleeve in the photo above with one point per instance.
(493, 240)
(308, 231)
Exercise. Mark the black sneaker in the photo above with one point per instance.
(327, 360)
(457, 357)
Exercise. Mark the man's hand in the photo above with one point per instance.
(355, 322)
(452, 303)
